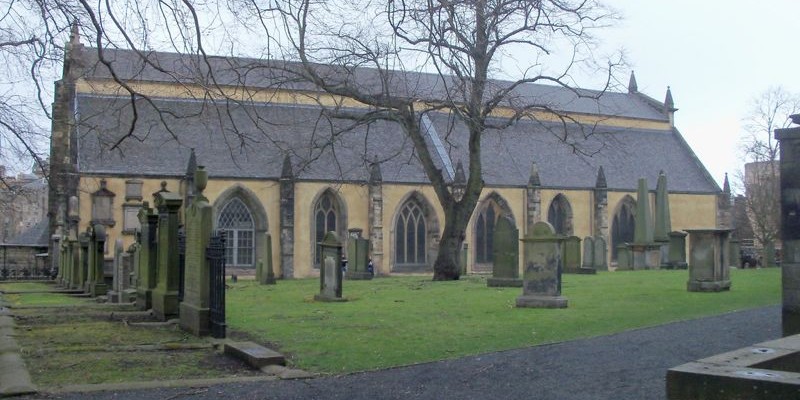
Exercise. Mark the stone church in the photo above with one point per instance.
(281, 176)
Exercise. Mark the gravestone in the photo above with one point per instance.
(645, 253)
(83, 263)
(600, 254)
(768, 255)
(265, 275)
(330, 274)
(542, 274)
(677, 250)
(129, 263)
(505, 252)
(115, 294)
(624, 262)
(709, 269)
(147, 267)
(571, 254)
(588, 252)
(165, 295)
(97, 284)
(357, 256)
(735, 256)
(194, 309)
(75, 260)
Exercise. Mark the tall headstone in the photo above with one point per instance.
(505, 252)
(165, 295)
(357, 256)
(147, 267)
(75, 264)
(571, 256)
(588, 252)
(709, 269)
(542, 269)
(789, 139)
(330, 274)
(194, 310)
(600, 254)
(645, 253)
(768, 255)
(677, 250)
(533, 198)
(663, 226)
(118, 276)
(83, 264)
(97, 285)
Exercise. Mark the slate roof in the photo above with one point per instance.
(37, 235)
(323, 150)
(254, 73)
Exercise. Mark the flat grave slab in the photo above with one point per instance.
(253, 354)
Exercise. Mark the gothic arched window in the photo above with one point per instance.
(484, 233)
(326, 215)
(623, 225)
(559, 215)
(237, 221)
(410, 235)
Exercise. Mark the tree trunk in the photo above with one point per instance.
(447, 266)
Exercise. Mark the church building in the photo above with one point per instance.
(282, 175)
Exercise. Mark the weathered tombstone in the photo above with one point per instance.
(645, 253)
(83, 264)
(600, 254)
(735, 256)
(571, 254)
(330, 274)
(624, 262)
(505, 252)
(663, 225)
(128, 271)
(147, 268)
(115, 294)
(542, 275)
(677, 250)
(194, 309)
(588, 252)
(55, 261)
(357, 256)
(709, 269)
(97, 285)
(265, 275)
(165, 295)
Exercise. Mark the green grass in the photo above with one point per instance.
(405, 320)
(42, 299)
(8, 286)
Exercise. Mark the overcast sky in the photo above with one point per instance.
(716, 56)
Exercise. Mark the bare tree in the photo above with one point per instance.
(761, 177)
(462, 42)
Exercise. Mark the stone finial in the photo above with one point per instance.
(534, 178)
(669, 104)
(200, 182)
(632, 86)
(191, 166)
(459, 178)
(601, 179)
(74, 35)
(286, 170)
(375, 171)
(726, 185)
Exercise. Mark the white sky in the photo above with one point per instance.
(716, 56)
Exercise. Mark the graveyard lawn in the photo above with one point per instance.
(397, 321)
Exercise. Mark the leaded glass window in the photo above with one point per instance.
(559, 215)
(484, 233)
(326, 215)
(237, 221)
(410, 235)
(623, 225)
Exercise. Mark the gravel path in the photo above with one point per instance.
(629, 365)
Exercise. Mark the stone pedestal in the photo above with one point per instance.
(646, 255)
(709, 269)
(624, 258)
(542, 274)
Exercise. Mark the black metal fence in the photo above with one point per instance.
(24, 273)
(215, 253)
